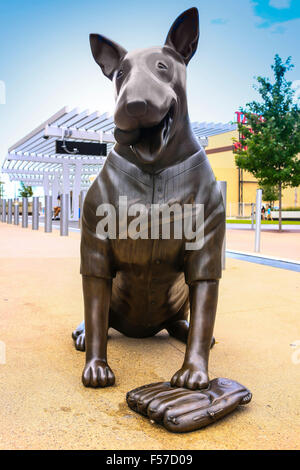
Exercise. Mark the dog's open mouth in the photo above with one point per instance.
(147, 142)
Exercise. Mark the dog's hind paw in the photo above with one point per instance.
(78, 336)
(80, 342)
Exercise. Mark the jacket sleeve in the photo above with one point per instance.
(205, 263)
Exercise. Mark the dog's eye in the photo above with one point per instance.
(162, 66)
(120, 73)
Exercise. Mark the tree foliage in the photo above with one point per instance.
(25, 191)
(270, 137)
(270, 193)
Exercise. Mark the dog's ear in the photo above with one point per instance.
(184, 34)
(106, 53)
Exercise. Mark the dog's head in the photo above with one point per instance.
(150, 86)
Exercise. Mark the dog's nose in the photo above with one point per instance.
(136, 108)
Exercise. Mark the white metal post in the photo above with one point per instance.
(258, 219)
(64, 214)
(3, 210)
(9, 211)
(46, 184)
(16, 212)
(48, 214)
(54, 191)
(66, 186)
(35, 213)
(76, 190)
(24, 212)
(81, 201)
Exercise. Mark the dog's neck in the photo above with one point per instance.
(182, 145)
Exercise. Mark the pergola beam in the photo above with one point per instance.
(91, 136)
(54, 160)
(49, 172)
(63, 111)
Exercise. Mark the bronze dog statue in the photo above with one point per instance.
(142, 286)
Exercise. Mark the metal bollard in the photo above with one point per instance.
(258, 220)
(64, 215)
(223, 188)
(81, 201)
(48, 214)
(24, 212)
(16, 213)
(35, 213)
(9, 211)
(3, 210)
(252, 215)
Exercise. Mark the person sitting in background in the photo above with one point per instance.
(57, 209)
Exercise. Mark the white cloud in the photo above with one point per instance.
(280, 4)
(296, 87)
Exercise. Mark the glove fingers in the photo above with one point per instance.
(134, 395)
(174, 401)
(144, 401)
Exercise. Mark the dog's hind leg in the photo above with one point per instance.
(78, 337)
(179, 329)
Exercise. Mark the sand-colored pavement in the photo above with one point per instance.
(282, 245)
(43, 404)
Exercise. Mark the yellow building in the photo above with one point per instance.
(241, 185)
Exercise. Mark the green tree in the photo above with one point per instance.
(270, 138)
(270, 193)
(25, 191)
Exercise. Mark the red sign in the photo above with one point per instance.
(241, 118)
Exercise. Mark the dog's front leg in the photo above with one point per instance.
(203, 305)
(97, 295)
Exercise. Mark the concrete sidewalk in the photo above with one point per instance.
(281, 245)
(44, 405)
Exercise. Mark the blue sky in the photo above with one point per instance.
(45, 60)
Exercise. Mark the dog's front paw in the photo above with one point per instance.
(190, 376)
(97, 373)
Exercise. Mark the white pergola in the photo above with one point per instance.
(34, 160)
(203, 130)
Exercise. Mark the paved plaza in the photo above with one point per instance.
(43, 403)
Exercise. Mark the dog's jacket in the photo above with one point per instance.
(145, 271)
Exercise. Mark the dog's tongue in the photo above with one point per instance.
(146, 142)
(150, 142)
